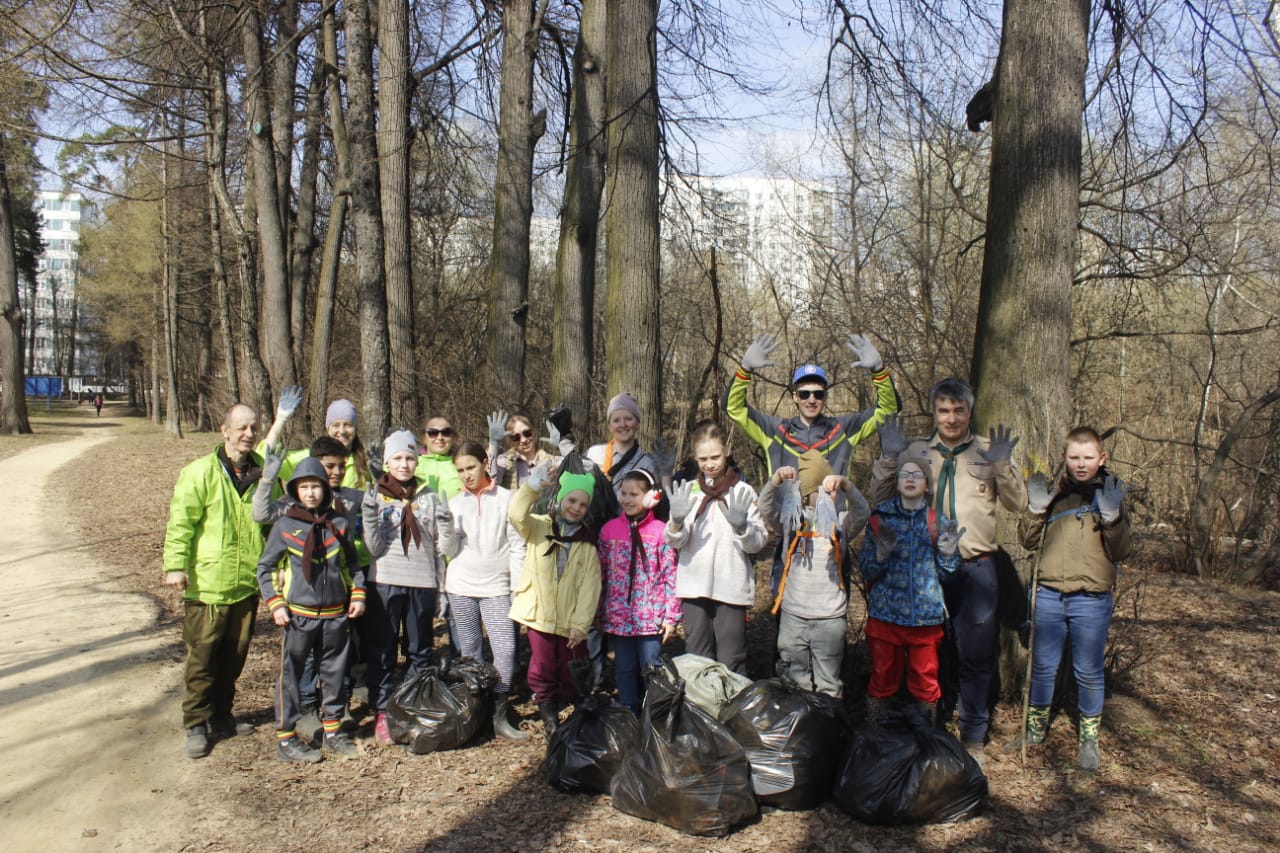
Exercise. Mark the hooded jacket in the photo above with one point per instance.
(1079, 551)
(905, 589)
(637, 599)
(543, 598)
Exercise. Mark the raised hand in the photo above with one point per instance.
(540, 476)
(271, 465)
(664, 459)
(1039, 493)
(290, 400)
(790, 504)
(497, 422)
(1110, 497)
(564, 446)
(374, 454)
(892, 441)
(681, 500)
(1001, 447)
(885, 541)
(949, 534)
(866, 353)
(757, 354)
(735, 507)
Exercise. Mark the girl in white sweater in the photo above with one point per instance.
(715, 579)
(483, 568)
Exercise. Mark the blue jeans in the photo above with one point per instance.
(630, 656)
(1085, 617)
(971, 595)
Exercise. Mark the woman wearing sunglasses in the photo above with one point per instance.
(514, 450)
(435, 458)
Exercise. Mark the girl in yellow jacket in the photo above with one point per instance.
(558, 589)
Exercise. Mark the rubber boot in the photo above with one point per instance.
(550, 716)
(875, 713)
(501, 725)
(1089, 758)
(1035, 730)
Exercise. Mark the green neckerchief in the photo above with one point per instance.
(947, 477)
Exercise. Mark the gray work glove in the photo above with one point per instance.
(865, 351)
(949, 533)
(664, 460)
(497, 427)
(374, 455)
(1110, 497)
(885, 541)
(757, 354)
(682, 502)
(564, 446)
(892, 441)
(290, 400)
(1001, 447)
(539, 477)
(790, 505)
(444, 518)
(1039, 493)
(271, 465)
(735, 507)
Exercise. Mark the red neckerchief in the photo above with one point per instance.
(409, 527)
(716, 490)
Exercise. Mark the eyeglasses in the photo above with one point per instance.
(432, 432)
(522, 434)
(910, 475)
(815, 393)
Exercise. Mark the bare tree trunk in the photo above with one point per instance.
(13, 401)
(573, 299)
(169, 291)
(283, 74)
(366, 220)
(513, 203)
(221, 287)
(1021, 360)
(303, 236)
(328, 284)
(393, 155)
(275, 317)
(631, 220)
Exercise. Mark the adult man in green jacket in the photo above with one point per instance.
(211, 551)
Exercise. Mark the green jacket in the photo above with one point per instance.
(211, 534)
(436, 472)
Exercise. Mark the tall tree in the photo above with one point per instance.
(573, 296)
(13, 403)
(518, 132)
(631, 219)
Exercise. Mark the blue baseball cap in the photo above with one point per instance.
(810, 373)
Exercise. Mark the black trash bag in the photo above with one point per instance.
(793, 738)
(687, 772)
(909, 772)
(442, 707)
(587, 749)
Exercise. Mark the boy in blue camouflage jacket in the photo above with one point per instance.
(907, 550)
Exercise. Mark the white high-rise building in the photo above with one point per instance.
(53, 314)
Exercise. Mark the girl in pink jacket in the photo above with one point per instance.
(638, 605)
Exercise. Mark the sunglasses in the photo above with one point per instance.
(817, 394)
(432, 432)
(522, 434)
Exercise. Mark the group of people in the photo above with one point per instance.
(377, 541)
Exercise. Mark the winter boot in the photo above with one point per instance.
(875, 713)
(1035, 729)
(1088, 758)
(549, 713)
(197, 745)
(501, 725)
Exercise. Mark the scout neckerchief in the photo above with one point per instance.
(318, 522)
(409, 527)
(715, 490)
(947, 477)
(610, 466)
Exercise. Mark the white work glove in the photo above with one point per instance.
(866, 353)
(564, 446)
(1039, 493)
(497, 427)
(735, 508)
(681, 502)
(290, 399)
(757, 354)
(539, 477)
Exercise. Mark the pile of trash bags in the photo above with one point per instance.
(770, 743)
(442, 707)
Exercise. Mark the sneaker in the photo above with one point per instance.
(228, 727)
(339, 743)
(197, 742)
(977, 753)
(381, 730)
(295, 749)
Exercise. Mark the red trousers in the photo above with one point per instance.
(892, 647)
(549, 677)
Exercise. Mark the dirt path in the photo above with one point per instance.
(89, 726)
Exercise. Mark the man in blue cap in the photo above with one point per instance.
(784, 440)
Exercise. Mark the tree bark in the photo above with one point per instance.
(573, 298)
(513, 203)
(13, 401)
(631, 221)
(393, 154)
(274, 321)
(366, 220)
(302, 238)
